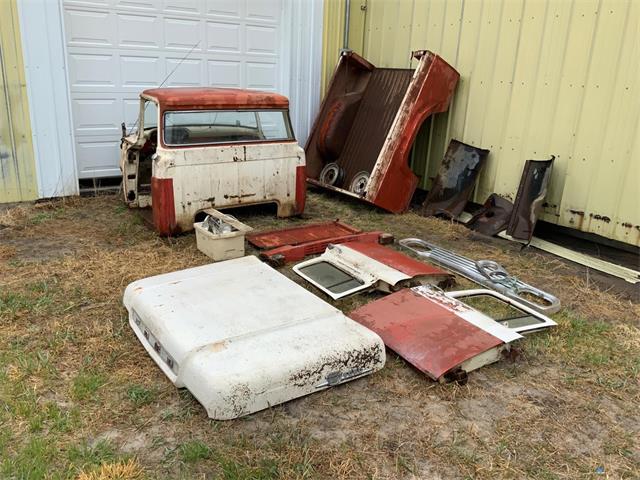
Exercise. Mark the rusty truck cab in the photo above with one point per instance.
(197, 148)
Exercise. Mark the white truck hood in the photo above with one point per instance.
(242, 337)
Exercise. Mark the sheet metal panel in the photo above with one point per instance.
(378, 109)
(46, 69)
(537, 79)
(249, 344)
(431, 337)
(300, 234)
(18, 181)
(397, 260)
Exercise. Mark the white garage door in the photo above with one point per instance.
(117, 48)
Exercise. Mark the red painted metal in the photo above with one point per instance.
(301, 234)
(294, 253)
(201, 98)
(397, 260)
(163, 207)
(301, 189)
(391, 106)
(393, 184)
(430, 337)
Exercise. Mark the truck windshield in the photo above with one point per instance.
(226, 126)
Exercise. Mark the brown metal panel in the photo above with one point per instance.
(394, 104)
(350, 78)
(188, 98)
(378, 109)
(493, 217)
(456, 179)
(531, 194)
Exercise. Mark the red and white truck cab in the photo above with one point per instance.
(198, 148)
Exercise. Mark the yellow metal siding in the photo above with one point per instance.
(538, 78)
(332, 36)
(18, 181)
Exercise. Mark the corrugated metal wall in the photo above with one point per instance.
(18, 179)
(537, 78)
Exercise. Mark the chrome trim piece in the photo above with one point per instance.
(484, 272)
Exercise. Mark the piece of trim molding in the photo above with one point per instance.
(627, 274)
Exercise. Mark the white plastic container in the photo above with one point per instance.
(243, 337)
(222, 246)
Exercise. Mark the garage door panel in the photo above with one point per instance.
(87, 28)
(261, 75)
(140, 72)
(223, 37)
(139, 31)
(96, 116)
(268, 10)
(93, 70)
(130, 111)
(262, 40)
(184, 6)
(140, 5)
(224, 73)
(182, 34)
(189, 73)
(225, 8)
(87, 3)
(95, 157)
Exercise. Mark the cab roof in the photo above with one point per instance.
(182, 98)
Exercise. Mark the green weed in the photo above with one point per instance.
(86, 384)
(193, 451)
(140, 395)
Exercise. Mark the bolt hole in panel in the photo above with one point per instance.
(244, 345)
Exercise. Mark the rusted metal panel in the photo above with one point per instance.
(456, 179)
(440, 335)
(301, 234)
(217, 98)
(372, 146)
(292, 253)
(376, 113)
(430, 333)
(529, 199)
(536, 76)
(493, 217)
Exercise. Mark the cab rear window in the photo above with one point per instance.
(226, 126)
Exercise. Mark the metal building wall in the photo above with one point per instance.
(538, 77)
(18, 180)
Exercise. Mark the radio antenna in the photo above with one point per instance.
(167, 78)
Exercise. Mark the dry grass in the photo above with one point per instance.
(80, 398)
(129, 470)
